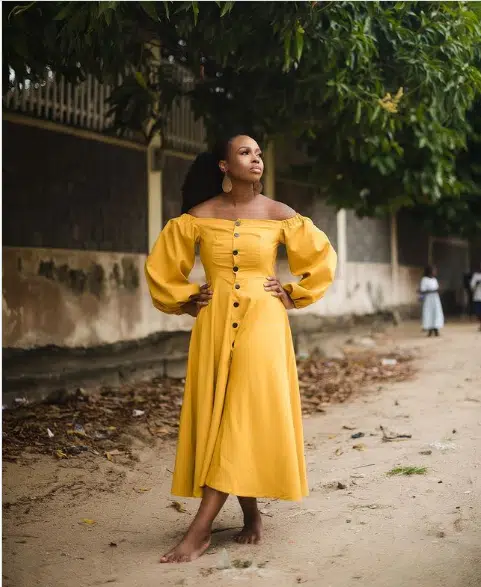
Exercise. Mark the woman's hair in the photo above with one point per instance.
(204, 178)
(429, 271)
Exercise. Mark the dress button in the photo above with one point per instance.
(235, 325)
(236, 234)
(238, 223)
(236, 269)
(236, 304)
(235, 252)
(237, 286)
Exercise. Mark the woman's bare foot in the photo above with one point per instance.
(192, 546)
(251, 533)
(197, 539)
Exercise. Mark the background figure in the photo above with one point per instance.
(476, 292)
(467, 277)
(432, 315)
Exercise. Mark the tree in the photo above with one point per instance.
(377, 93)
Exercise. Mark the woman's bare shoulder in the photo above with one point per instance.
(205, 209)
(280, 211)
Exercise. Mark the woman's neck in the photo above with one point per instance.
(241, 194)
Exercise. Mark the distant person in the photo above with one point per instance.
(476, 290)
(467, 277)
(432, 315)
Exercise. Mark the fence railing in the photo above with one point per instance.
(84, 105)
(182, 131)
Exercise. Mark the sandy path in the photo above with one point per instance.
(420, 531)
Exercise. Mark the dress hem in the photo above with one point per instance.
(193, 494)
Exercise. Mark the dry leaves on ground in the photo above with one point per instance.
(325, 381)
(102, 422)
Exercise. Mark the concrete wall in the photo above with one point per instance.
(75, 238)
(77, 235)
(64, 191)
(77, 299)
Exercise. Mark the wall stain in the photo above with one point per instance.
(115, 275)
(131, 279)
(96, 279)
(376, 296)
(77, 280)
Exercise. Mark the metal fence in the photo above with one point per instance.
(182, 131)
(84, 106)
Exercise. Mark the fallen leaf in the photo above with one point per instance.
(359, 446)
(339, 452)
(60, 454)
(179, 507)
(88, 522)
(144, 489)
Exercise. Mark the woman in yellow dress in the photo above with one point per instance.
(241, 420)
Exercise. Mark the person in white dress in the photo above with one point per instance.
(432, 314)
(476, 289)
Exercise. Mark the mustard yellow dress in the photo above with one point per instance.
(241, 421)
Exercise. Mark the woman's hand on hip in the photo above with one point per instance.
(274, 286)
(198, 301)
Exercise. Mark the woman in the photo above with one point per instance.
(240, 426)
(476, 293)
(433, 317)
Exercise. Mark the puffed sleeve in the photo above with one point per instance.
(311, 257)
(169, 264)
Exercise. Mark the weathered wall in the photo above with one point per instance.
(75, 239)
(368, 239)
(77, 299)
(81, 299)
(75, 227)
(63, 191)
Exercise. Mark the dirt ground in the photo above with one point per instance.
(84, 522)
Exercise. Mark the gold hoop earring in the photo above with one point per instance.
(258, 187)
(226, 184)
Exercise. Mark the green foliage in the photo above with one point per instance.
(376, 92)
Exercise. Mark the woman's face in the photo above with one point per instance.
(244, 160)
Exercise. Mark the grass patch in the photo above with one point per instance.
(407, 471)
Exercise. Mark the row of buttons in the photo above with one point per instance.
(236, 269)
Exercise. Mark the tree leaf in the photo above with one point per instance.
(150, 9)
(287, 49)
(141, 80)
(226, 8)
(299, 41)
(195, 9)
(167, 10)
